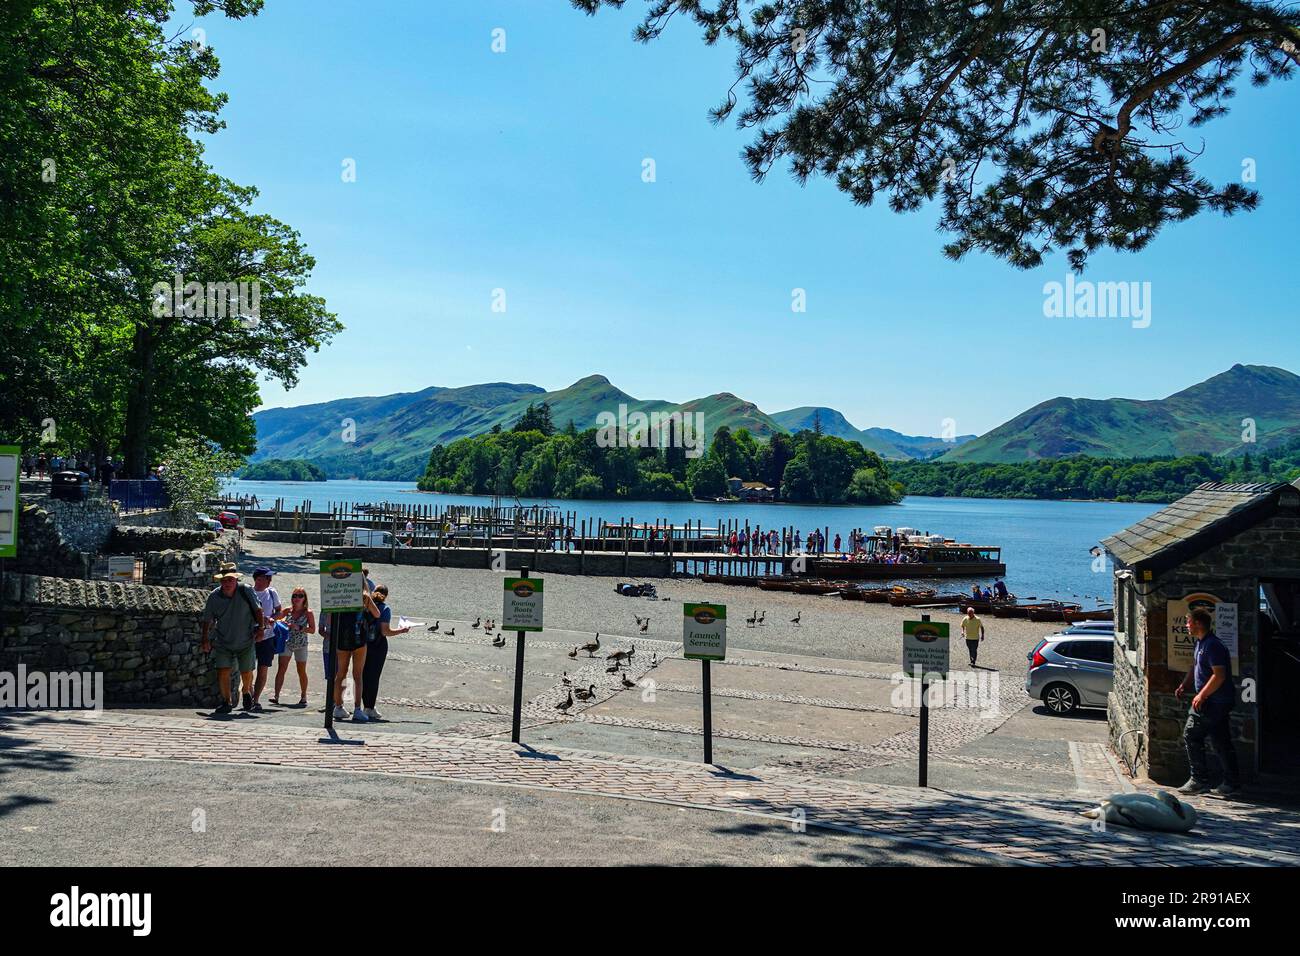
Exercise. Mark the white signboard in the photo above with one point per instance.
(704, 632)
(341, 584)
(925, 649)
(9, 456)
(1181, 645)
(522, 607)
(121, 568)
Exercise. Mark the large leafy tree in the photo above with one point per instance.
(103, 193)
(1042, 124)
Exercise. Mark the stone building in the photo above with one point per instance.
(1233, 549)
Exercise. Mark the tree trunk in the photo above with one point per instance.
(139, 403)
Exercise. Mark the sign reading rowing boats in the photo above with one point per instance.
(9, 458)
(704, 632)
(925, 649)
(341, 584)
(522, 610)
(121, 568)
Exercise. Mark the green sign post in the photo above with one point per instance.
(10, 456)
(925, 656)
(521, 612)
(704, 639)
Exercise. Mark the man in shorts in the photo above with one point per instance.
(231, 619)
(264, 645)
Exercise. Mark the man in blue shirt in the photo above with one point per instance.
(1208, 720)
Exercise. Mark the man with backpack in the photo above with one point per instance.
(232, 618)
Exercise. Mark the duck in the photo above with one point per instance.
(628, 683)
(587, 694)
(592, 647)
(573, 653)
(564, 705)
(621, 655)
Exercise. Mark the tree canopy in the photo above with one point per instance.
(1038, 126)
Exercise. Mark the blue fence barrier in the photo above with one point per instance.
(139, 495)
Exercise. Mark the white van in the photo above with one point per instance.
(369, 538)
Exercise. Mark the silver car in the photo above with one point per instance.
(1069, 671)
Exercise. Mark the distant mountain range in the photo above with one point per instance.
(392, 434)
(1205, 417)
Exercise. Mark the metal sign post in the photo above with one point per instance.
(925, 654)
(522, 612)
(704, 639)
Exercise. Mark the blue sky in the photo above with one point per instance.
(521, 171)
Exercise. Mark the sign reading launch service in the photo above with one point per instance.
(704, 632)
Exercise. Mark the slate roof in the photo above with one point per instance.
(107, 596)
(1211, 513)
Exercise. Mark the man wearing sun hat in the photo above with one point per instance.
(233, 617)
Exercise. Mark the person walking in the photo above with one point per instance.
(264, 646)
(1209, 717)
(377, 618)
(234, 614)
(301, 621)
(972, 629)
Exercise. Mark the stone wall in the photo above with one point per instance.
(185, 569)
(1143, 695)
(140, 541)
(83, 525)
(41, 548)
(145, 640)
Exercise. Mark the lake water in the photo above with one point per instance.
(1045, 544)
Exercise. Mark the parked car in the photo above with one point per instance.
(1089, 627)
(207, 523)
(228, 519)
(1069, 671)
(369, 538)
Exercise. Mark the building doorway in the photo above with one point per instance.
(1279, 676)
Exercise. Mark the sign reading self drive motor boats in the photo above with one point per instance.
(522, 610)
(1181, 645)
(704, 632)
(341, 584)
(925, 649)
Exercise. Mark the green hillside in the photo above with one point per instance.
(1206, 417)
(885, 442)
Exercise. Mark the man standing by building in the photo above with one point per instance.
(265, 644)
(1208, 720)
(973, 630)
(233, 613)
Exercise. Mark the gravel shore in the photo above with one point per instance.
(829, 627)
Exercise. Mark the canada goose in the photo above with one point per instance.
(795, 620)
(613, 668)
(499, 641)
(592, 646)
(761, 616)
(631, 652)
(641, 620)
(434, 629)
(450, 632)
(565, 704)
(587, 694)
(646, 626)
(564, 679)
(476, 623)
(749, 621)
(621, 655)
(573, 653)
(628, 683)
(654, 658)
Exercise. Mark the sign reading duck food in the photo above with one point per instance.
(704, 632)
(341, 583)
(925, 649)
(523, 605)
